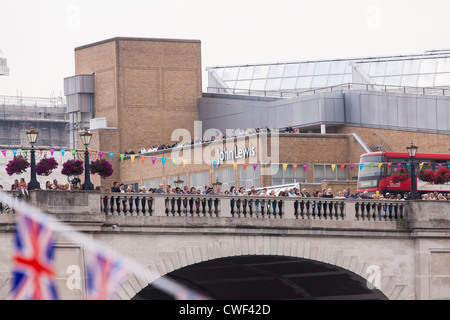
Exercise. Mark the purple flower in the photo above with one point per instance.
(17, 165)
(101, 167)
(46, 166)
(72, 168)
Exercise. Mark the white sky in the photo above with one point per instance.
(38, 37)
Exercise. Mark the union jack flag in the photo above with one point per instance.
(33, 275)
(104, 273)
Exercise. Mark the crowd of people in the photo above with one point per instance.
(218, 136)
(347, 193)
(289, 192)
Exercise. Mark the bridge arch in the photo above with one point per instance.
(337, 253)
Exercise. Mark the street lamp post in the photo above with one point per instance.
(32, 136)
(412, 150)
(179, 182)
(86, 140)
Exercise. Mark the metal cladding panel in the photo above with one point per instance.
(83, 83)
(402, 115)
(392, 104)
(352, 108)
(411, 104)
(79, 102)
(422, 115)
(443, 111)
(383, 110)
(364, 108)
(373, 106)
(432, 112)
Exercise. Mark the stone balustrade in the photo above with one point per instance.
(247, 206)
(186, 205)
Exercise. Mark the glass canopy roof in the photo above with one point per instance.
(428, 70)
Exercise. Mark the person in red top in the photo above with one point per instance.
(23, 186)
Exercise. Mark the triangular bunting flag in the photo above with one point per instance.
(245, 165)
(421, 165)
(90, 153)
(399, 164)
(40, 151)
(333, 166)
(26, 153)
(389, 164)
(4, 152)
(52, 150)
(342, 166)
(284, 166)
(63, 151)
(174, 162)
(305, 166)
(439, 166)
(122, 155)
(142, 159)
(254, 166)
(379, 165)
(73, 152)
(214, 164)
(14, 152)
(407, 166)
(295, 167)
(132, 156)
(100, 154)
(163, 161)
(361, 166)
(111, 155)
(352, 165)
(153, 160)
(370, 165)
(183, 162)
(234, 165)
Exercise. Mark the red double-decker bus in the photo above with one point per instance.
(374, 177)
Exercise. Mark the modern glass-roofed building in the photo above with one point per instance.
(405, 73)
(401, 92)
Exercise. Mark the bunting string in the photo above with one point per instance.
(184, 162)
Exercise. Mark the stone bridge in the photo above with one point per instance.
(252, 247)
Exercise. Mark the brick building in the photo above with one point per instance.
(148, 92)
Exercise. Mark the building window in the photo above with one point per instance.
(134, 185)
(326, 172)
(226, 176)
(288, 176)
(152, 183)
(199, 180)
(249, 177)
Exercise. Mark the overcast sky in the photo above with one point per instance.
(38, 37)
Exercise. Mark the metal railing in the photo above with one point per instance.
(440, 91)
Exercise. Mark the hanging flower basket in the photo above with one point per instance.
(442, 176)
(427, 175)
(101, 167)
(46, 166)
(400, 175)
(17, 165)
(72, 168)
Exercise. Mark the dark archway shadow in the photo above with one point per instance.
(259, 277)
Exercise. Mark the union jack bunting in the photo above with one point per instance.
(104, 274)
(33, 275)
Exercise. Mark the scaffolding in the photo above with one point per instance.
(47, 115)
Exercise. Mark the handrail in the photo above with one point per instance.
(441, 91)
